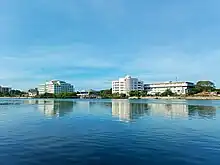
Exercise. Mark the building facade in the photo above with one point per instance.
(32, 92)
(55, 87)
(127, 84)
(5, 89)
(179, 88)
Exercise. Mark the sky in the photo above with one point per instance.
(89, 43)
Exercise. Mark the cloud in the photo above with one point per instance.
(72, 63)
(90, 43)
(87, 66)
(167, 63)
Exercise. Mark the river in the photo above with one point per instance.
(109, 132)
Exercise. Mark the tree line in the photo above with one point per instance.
(13, 93)
(200, 86)
(58, 96)
(204, 86)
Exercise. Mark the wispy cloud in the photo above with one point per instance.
(73, 62)
(167, 63)
(89, 43)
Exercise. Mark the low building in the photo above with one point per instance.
(87, 94)
(5, 89)
(32, 92)
(127, 84)
(55, 87)
(179, 88)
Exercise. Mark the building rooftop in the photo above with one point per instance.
(127, 76)
(170, 82)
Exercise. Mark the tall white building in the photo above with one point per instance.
(127, 84)
(176, 87)
(55, 87)
(5, 89)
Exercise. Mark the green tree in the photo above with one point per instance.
(205, 86)
(143, 93)
(194, 91)
(134, 93)
(168, 92)
(47, 95)
(105, 93)
(218, 91)
(157, 94)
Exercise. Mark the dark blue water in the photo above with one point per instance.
(67, 132)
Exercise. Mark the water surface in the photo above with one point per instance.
(109, 132)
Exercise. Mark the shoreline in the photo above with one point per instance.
(182, 98)
(147, 97)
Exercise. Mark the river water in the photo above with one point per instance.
(111, 132)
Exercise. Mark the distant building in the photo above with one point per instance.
(127, 84)
(5, 89)
(55, 87)
(176, 87)
(87, 94)
(83, 94)
(32, 92)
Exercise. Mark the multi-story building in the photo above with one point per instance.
(5, 89)
(176, 87)
(55, 87)
(127, 84)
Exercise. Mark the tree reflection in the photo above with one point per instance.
(202, 111)
(125, 110)
(55, 107)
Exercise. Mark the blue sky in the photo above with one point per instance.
(91, 42)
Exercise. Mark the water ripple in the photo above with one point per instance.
(109, 132)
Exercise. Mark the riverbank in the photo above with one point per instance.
(180, 97)
(147, 97)
(15, 97)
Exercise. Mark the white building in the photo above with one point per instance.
(5, 89)
(127, 84)
(32, 92)
(176, 87)
(55, 87)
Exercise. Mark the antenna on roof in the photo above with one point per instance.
(176, 78)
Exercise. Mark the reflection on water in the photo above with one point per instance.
(51, 108)
(125, 110)
(169, 110)
(10, 102)
(89, 134)
(202, 111)
(55, 107)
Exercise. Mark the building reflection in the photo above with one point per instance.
(169, 110)
(127, 111)
(55, 107)
(30, 101)
(202, 111)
